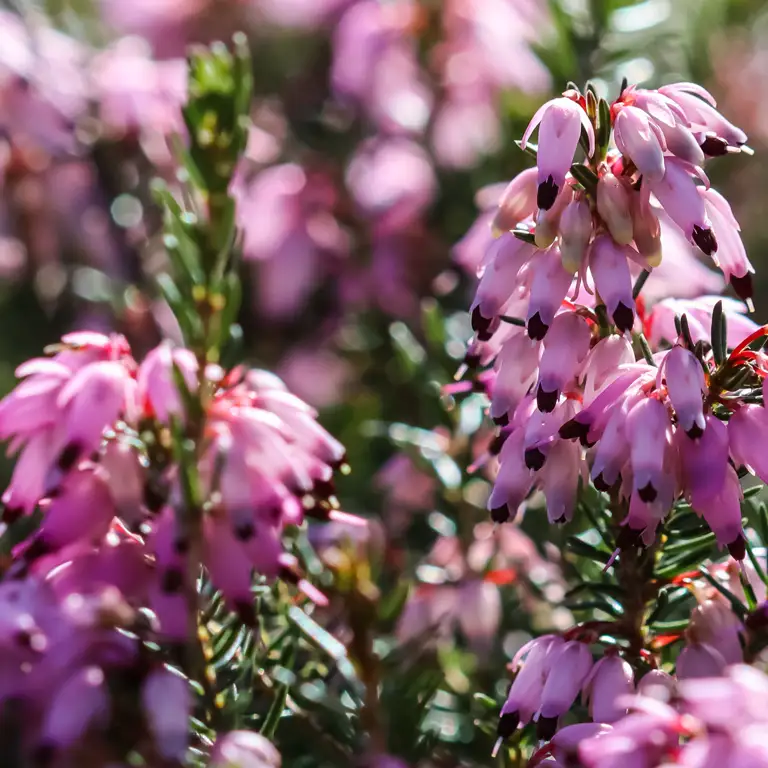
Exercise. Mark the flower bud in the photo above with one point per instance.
(613, 205)
(575, 233)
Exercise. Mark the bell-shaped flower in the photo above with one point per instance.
(517, 202)
(80, 703)
(679, 196)
(548, 289)
(613, 280)
(642, 141)
(702, 114)
(731, 255)
(560, 480)
(548, 220)
(603, 363)
(647, 427)
(167, 702)
(498, 282)
(533, 664)
(565, 347)
(723, 514)
(513, 481)
(614, 207)
(713, 622)
(561, 121)
(748, 436)
(686, 385)
(569, 669)
(575, 233)
(244, 749)
(646, 230)
(156, 385)
(704, 462)
(699, 660)
(612, 679)
(516, 367)
(611, 453)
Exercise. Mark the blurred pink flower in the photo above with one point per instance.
(375, 65)
(392, 181)
(301, 14)
(316, 375)
(486, 48)
(136, 93)
(289, 228)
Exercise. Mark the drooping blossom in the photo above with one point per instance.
(567, 271)
(715, 721)
(66, 658)
(267, 463)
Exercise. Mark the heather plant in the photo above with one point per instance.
(256, 516)
(649, 440)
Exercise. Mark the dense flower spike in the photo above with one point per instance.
(571, 267)
(560, 122)
(267, 464)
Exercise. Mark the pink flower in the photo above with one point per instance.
(642, 141)
(608, 264)
(575, 233)
(703, 116)
(517, 202)
(731, 255)
(533, 664)
(548, 289)
(58, 413)
(747, 429)
(156, 385)
(680, 198)
(565, 347)
(244, 749)
(167, 702)
(375, 66)
(561, 122)
(568, 670)
(699, 660)
(685, 384)
(661, 321)
(647, 428)
(391, 180)
(610, 681)
(715, 624)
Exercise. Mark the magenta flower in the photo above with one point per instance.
(517, 202)
(610, 682)
(608, 265)
(549, 287)
(560, 122)
(614, 205)
(533, 663)
(699, 109)
(569, 668)
(156, 387)
(699, 660)
(565, 347)
(685, 384)
(642, 141)
(58, 413)
(680, 198)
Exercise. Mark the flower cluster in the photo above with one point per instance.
(551, 671)
(678, 421)
(88, 419)
(74, 675)
(709, 720)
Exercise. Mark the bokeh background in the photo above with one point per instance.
(376, 123)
